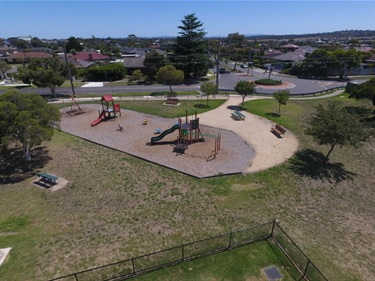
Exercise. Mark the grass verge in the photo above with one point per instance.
(117, 206)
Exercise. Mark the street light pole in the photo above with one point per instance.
(218, 67)
(70, 76)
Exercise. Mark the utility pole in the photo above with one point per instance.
(70, 76)
(248, 64)
(218, 67)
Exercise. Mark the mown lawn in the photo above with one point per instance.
(117, 206)
(245, 263)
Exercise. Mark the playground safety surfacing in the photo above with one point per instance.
(199, 160)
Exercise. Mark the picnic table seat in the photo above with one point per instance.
(47, 178)
(236, 115)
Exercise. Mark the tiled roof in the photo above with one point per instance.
(32, 55)
(134, 62)
(89, 56)
(290, 56)
(306, 49)
(290, 46)
(79, 63)
(272, 53)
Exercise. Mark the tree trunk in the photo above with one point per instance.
(279, 108)
(207, 99)
(243, 101)
(53, 92)
(26, 152)
(170, 88)
(329, 153)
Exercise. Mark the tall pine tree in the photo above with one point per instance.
(190, 52)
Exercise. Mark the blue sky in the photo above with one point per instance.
(102, 19)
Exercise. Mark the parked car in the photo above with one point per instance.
(222, 70)
(244, 65)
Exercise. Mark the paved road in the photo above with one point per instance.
(302, 86)
(108, 89)
(226, 82)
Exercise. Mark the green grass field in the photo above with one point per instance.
(117, 206)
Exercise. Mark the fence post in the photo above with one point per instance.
(133, 265)
(230, 239)
(183, 252)
(305, 271)
(273, 227)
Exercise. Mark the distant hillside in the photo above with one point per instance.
(334, 34)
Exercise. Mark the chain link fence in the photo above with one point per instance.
(295, 261)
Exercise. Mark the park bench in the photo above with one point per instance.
(278, 130)
(173, 101)
(47, 178)
(236, 115)
(240, 115)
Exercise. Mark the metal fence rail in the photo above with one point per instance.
(299, 266)
(227, 91)
(297, 263)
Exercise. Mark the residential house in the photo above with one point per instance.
(289, 47)
(291, 58)
(133, 58)
(134, 62)
(25, 56)
(89, 56)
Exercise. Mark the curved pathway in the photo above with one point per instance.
(269, 149)
(255, 131)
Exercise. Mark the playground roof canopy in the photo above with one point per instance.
(107, 98)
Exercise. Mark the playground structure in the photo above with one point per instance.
(188, 133)
(107, 111)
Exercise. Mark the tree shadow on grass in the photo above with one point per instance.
(14, 168)
(234, 107)
(200, 105)
(310, 163)
(273, 114)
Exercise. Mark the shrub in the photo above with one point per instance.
(268, 82)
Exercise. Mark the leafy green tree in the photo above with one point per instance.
(26, 118)
(106, 72)
(153, 61)
(73, 43)
(244, 89)
(47, 73)
(132, 40)
(365, 90)
(4, 67)
(334, 126)
(282, 97)
(36, 42)
(169, 75)
(343, 60)
(317, 63)
(22, 45)
(236, 51)
(209, 88)
(137, 75)
(190, 49)
(24, 74)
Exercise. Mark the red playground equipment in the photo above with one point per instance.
(107, 111)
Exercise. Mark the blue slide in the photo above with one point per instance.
(164, 133)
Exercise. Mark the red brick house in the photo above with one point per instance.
(89, 56)
(25, 56)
